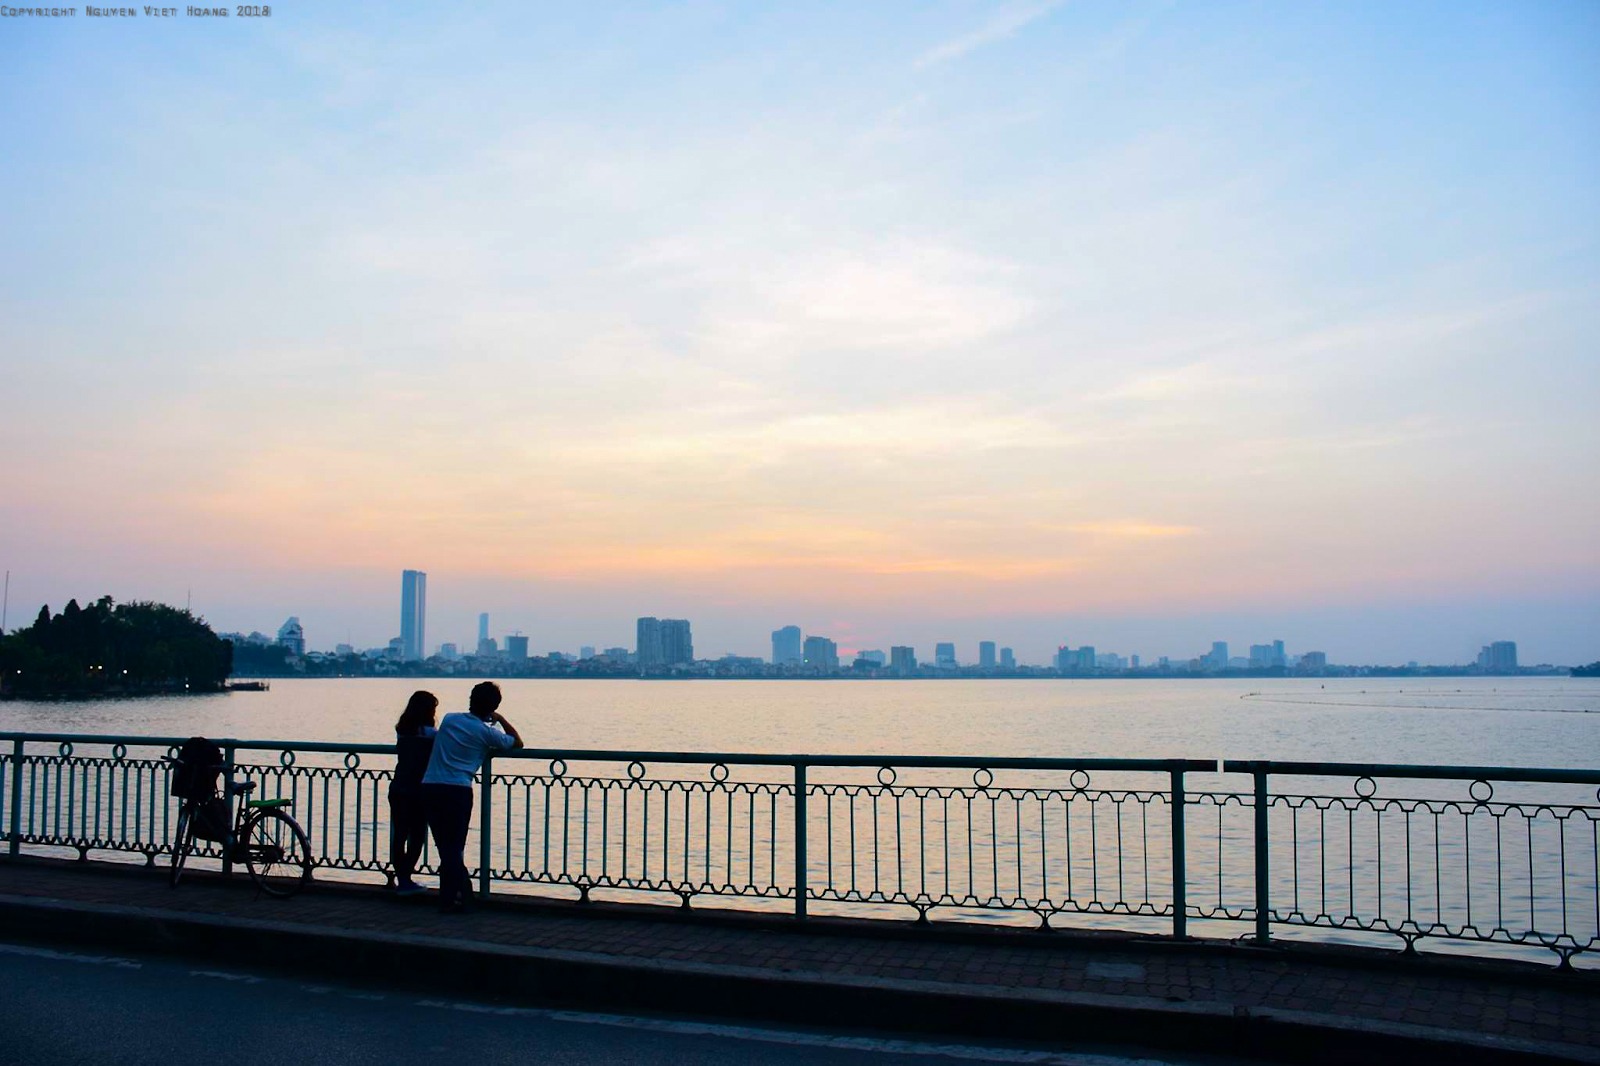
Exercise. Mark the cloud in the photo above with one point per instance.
(1003, 25)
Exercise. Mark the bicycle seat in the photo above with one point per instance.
(243, 788)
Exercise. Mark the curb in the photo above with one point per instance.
(547, 977)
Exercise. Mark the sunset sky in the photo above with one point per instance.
(1134, 324)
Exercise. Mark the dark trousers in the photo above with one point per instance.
(449, 810)
(408, 831)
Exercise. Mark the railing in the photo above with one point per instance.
(1126, 843)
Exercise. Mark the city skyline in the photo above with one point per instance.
(668, 642)
(1134, 326)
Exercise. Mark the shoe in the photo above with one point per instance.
(409, 888)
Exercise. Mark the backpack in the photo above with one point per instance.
(211, 819)
(199, 763)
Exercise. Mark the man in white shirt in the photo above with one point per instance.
(459, 748)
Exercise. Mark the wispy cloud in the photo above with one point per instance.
(1003, 25)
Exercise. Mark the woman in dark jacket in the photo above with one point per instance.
(408, 822)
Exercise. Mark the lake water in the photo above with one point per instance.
(1549, 722)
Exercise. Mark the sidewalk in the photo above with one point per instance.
(1300, 1004)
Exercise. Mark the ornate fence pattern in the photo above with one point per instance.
(1491, 855)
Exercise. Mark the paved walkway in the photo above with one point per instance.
(1301, 1003)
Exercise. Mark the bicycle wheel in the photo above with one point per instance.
(181, 842)
(277, 853)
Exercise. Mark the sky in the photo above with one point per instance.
(1139, 324)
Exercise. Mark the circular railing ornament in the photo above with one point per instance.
(886, 776)
(1079, 780)
(1487, 791)
(119, 752)
(286, 758)
(983, 777)
(719, 773)
(172, 751)
(352, 760)
(65, 749)
(558, 768)
(1366, 787)
(636, 769)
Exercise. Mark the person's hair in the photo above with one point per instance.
(419, 712)
(485, 698)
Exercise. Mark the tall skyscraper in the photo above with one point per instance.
(483, 627)
(517, 648)
(986, 654)
(413, 613)
(647, 643)
(786, 649)
(944, 656)
(1008, 659)
(1499, 657)
(903, 660)
(821, 655)
(677, 646)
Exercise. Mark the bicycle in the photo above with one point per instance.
(264, 836)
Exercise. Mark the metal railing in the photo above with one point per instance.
(1126, 843)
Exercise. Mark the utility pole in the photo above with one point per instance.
(5, 602)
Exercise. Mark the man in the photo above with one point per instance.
(462, 743)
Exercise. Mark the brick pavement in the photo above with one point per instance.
(1487, 1003)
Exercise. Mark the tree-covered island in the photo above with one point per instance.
(111, 649)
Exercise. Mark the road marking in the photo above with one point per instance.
(802, 1039)
(223, 975)
(68, 956)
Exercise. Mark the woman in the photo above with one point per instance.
(463, 741)
(408, 822)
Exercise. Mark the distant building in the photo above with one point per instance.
(677, 645)
(1267, 656)
(986, 659)
(517, 648)
(1008, 659)
(647, 642)
(903, 659)
(413, 614)
(944, 656)
(786, 646)
(820, 654)
(586, 652)
(487, 648)
(449, 651)
(483, 627)
(617, 655)
(1314, 662)
(1218, 659)
(291, 636)
(1497, 658)
(344, 649)
(873, 656)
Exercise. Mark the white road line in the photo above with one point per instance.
(68, 956)
(802, 1039)
(223, 975)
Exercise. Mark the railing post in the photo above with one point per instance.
(228, 839)
(16, 797)
(800, 840)
(485, 810)
(1180, 869)
(1263, 870)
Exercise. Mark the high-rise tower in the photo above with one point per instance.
(413, 614)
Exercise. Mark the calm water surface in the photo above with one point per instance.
(1552, 722)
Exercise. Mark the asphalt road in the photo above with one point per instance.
(61, 1007)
